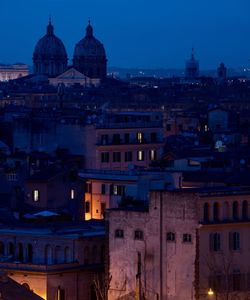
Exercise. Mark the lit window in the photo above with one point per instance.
(138, 235)
(140, 155)
(171, 236)
(139, 137)
(36, 195)
(72, 194)
(152, 155)
(187, 238)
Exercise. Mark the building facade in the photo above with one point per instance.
(152, 253)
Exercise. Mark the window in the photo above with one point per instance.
(139, 137)
(11, 248)
(105, 157)
(126, 138)
(103, 208)
(235, 210)
(103, 191)
(216, 211)
(140, 155)
(206, 212)
(128, 156)
(60, 294)
(104, 139)
(187, 238)
(171, 236)
(36, 195)
(153, 136)
(116, 156)
(244, 210)
(180, 127)
(116, 139)
(88, 187)
(138, 235)
(29, 253)
(119, 233)
(72, 194)
(215, 242)
(152, 154)
(87, 207)
(1, 248)
(234, 241)
(118, 190)
(168, 127)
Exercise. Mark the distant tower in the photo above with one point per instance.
(89, 56)
(50, 57)
(222, 71)
(192, 67)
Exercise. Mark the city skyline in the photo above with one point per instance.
(139, 35)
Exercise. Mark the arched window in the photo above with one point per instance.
(1, 248)
(225, 211)
(235, 210)
(29, 253)
(20, 252)
(48, 255)
(206, 212)
(67, 255)
(216, 211)
(244, 210)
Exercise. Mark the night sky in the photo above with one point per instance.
(138, 33)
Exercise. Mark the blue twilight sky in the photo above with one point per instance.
(136, 33)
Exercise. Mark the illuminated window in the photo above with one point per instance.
(72, 194)
(117, 190)
(139, 137)
(36, 195)
(60, 293)
(140, 155)
(152, 154)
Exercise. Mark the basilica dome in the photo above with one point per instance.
(89, 56)
(50, 56)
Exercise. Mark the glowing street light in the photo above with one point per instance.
(210, 292)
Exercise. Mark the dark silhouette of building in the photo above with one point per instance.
(89, 56)
(50, 57)
(192, 67)
(222, 71)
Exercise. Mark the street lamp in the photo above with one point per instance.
(210, 292)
